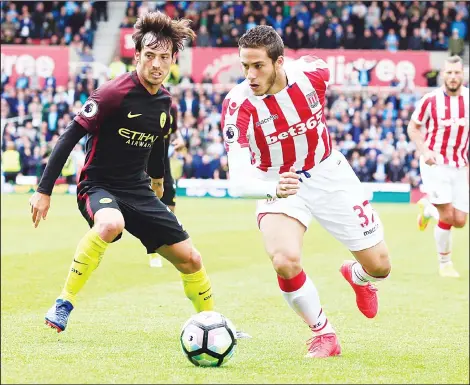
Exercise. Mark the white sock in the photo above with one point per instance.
(362, 277)
(306, 303)
(431, 211)
(443, 238)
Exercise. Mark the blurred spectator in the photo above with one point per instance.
(361, 170)
(442, 42)
(203, 38)
(101, 8)
(379, 174)
(413, 176)
(460, 25)
(221, 172)
(116, 67)
(456, 44)
(11, 164)
(415, 42)
(378, 42)
(395, 171)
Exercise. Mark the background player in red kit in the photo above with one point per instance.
(444, 114)
(125, 121)
(279, 149)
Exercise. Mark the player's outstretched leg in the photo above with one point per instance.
(90, 250)
(283, 237)
(373, 265)
(196, 283)
(302, 296)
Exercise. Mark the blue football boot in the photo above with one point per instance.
(58, 315)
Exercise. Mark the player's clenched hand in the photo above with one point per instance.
(430, 157)
(40, 204)
(288, 184)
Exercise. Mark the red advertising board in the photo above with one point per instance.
(40, 60)
(223, 65)
(126, 43)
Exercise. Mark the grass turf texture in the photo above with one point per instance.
(126, 325)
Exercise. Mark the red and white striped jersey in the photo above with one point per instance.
(445, 119)
(285, 129)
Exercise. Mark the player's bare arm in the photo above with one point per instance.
(40, 201)
(245, 182)
(414, 132)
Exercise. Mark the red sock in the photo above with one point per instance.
(443, 225)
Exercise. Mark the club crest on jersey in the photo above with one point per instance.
(312, 99)
(231, 133)
(162, 119)
(89, 109)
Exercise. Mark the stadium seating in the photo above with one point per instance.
(347, 24)
(368, 127)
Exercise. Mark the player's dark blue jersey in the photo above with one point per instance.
(126, 127)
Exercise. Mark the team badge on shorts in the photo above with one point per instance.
(89, 109)
(162, 119)
(106, 200)
(231, 133)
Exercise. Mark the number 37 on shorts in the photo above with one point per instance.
(367, 216)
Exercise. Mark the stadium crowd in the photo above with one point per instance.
(55, 23)
(391, 25)
(369, 128)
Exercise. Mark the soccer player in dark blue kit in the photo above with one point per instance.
(125, 121)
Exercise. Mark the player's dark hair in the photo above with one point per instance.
(263, 36)
(155, 29)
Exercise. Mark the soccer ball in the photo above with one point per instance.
(208, 339)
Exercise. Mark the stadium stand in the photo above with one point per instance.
(367, 125)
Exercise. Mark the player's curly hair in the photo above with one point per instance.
(155, 29)
(263, 36)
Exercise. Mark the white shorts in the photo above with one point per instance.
(445, 184)
(335, 197)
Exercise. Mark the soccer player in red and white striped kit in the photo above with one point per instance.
(443, 116)
(280, 152)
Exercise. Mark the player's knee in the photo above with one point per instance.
(380, 267)
(194, 260)
(286, 263)
(189, 261)
(109, 228)
(378, 264)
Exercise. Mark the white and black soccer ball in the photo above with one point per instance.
(208, 339)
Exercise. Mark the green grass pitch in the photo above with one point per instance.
(126, 325)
